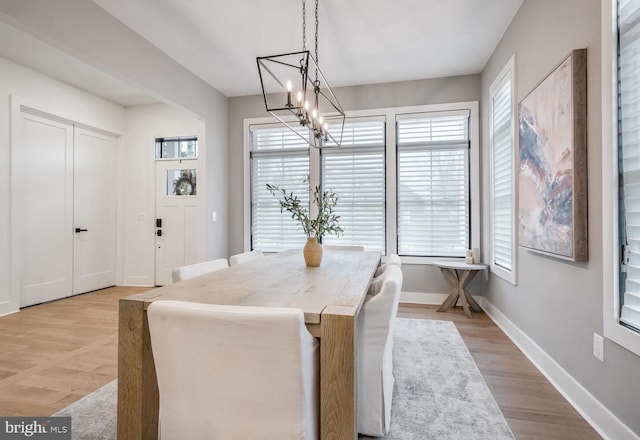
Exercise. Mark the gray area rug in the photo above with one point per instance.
(439, 393)
(94, 416)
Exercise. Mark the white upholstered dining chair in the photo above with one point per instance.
(195, 270)
(234, 372)
(342, 247)
(381, 273)
(375, 355)
(390, 260)
(245, 256)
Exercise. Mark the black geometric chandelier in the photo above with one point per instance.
(297, 94)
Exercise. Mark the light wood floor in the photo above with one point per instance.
(53, 354)
(533, 408)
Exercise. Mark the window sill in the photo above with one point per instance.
(509, 276)
(621, 335)
(427, 261)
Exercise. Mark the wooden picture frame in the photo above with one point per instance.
(552, 177)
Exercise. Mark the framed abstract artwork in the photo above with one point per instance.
(552, 178)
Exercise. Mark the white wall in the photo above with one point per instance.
(86, 31)
(52, 96)
(137, 166)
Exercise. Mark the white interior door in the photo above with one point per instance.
(177, 213)
(44, 161)
(94, 211)
(64, 179)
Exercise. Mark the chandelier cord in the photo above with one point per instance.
(317, 60)
(304, 25)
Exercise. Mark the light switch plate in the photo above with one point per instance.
(598, 346)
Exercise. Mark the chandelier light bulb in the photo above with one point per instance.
(320, 120)
(299, 97)
(314, 113)
(289, 105)
(305, 114)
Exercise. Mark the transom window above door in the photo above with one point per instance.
(177, 147)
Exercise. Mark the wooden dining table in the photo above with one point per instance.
(330, 297)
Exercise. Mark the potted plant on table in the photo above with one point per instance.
(325, 222)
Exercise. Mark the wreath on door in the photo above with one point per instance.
(185, 185)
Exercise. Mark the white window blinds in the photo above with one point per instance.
(278, 157)
(629, 70)
(356, 173)
(433, 184)
(502, 144)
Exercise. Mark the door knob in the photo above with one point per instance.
(78, 230)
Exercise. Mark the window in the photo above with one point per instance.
(181, 182)
(356, 172)
(177, 148)
(629, 162)
(278, 157)
(620, 153)
(433, 184)
(406, 179)
(502, 144)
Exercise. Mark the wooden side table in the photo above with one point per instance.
(459, 275)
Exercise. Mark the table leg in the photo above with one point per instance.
(459, 278)
(472, 302)
(451, 300)
(451, 275)
(464, 282)
(463, 278)
(338, 374)
(137, 384)
(463, 301)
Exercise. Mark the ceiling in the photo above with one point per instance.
(360, 41)
(29, 51)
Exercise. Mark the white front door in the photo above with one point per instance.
(44, 205)
(177, 215)
(94, 211)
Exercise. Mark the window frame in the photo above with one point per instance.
(431, 149)
(179, 139)
(612, 328)
(508, 275)
(389, 113)
(326, 153)
(263, 123)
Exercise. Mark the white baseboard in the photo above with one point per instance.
(594, 412)
(428, 298)
(138, 281)
(8, 312)
(422, 298)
